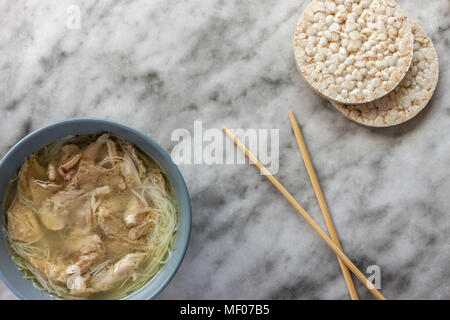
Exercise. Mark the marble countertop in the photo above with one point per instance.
(161, 65)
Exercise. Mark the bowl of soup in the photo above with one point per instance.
(91, 209)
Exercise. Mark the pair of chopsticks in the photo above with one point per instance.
(332, 242)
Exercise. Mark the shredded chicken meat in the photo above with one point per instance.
(86, 207)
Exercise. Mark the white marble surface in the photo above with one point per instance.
(159, 65)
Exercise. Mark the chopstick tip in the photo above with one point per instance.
(292, 116)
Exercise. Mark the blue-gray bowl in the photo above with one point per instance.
(11, 162)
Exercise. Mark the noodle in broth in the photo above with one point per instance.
(90, 217)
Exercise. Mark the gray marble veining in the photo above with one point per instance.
(159, 65)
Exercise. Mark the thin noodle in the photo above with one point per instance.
(160, 239)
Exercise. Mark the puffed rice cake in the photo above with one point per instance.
(412, 94)
(353, 51)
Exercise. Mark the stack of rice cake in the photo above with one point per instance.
(367, 58)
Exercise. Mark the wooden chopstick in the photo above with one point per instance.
(305, 215)
(322, 203)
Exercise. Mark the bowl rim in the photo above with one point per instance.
(147, 139)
